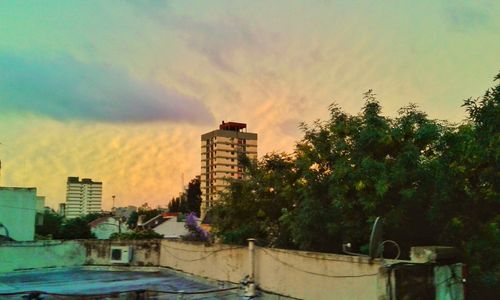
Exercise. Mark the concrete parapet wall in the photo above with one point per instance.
(311, 275)
(216, 262)
(41, 254)
(304, 275)
(298, 274)
(144, 252)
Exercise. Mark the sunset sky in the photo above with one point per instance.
(120, 91)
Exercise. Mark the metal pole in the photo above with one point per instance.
(250, 288)
(251, 258)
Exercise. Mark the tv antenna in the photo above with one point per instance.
(376, 245)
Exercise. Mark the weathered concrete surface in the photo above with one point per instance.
(312, 275)
(217, 262)
(41, 254)
(304, 275)
(144, 252)
(17, 212)
(85, 281)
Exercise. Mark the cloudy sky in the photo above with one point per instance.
(120, 91)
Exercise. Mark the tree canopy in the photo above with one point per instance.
(435, 183)
(189, 201)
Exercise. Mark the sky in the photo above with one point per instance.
(120, 91)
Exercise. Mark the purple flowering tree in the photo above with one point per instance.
(196, 233)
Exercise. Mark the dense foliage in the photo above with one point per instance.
(136, 235)
(189, 201)
(76, 228)
(56, 227)
(434, 183)
(50, 227)
(195, 232)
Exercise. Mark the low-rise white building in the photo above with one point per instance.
(167, 224)
(18, 207)
(104, 227)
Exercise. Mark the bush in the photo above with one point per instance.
(136, 235)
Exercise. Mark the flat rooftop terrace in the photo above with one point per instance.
(111, 283)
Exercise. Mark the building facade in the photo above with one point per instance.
(82, 197)
(62, 209)
(18, 208)
(220, 150)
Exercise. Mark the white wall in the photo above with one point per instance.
(17, 212)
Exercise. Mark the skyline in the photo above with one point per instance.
(121, 92)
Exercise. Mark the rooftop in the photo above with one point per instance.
(155, 283)
(232, 126)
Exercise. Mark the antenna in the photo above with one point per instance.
(375, 247)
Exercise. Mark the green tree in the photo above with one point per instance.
(51, 225)
(189, 201)
(94, 216)
(76, 228)
(132, 220)
(136, 235)
(253, 207)
(193, 197)
(433, 182)
(466, 205)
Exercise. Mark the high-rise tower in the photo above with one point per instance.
(82, 197)
(219, 159)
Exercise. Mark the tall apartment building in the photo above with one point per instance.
(82, 197)
(219, 159)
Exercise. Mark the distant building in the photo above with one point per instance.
(104, 227)
(40, 210)
(124, 212)
(82, 197)
(62, 209)
(219, 159)
(18, 208)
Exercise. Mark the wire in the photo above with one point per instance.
(314, 273)
(197, 259)
(324, 258)
(16, 207)
(121, 292)
(190, 260)
(188, 250)
(392, 242)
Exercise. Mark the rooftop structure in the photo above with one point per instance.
(18, 207)
(142, 269)
(220, 150)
